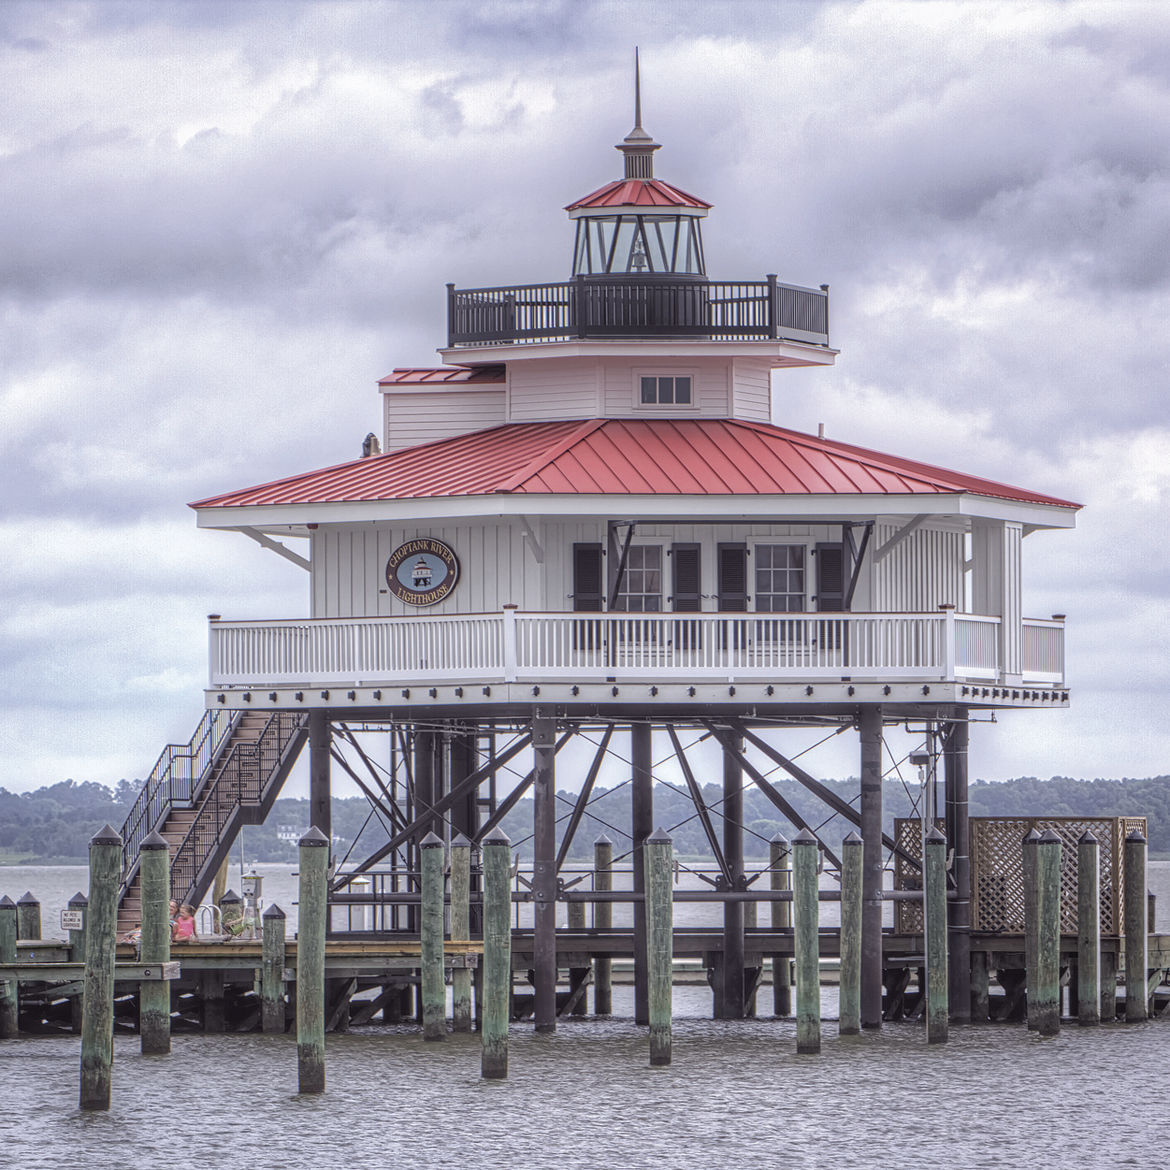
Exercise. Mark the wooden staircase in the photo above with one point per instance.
(243, 760)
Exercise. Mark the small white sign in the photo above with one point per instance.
(72, 920)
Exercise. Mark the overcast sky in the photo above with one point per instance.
(221, 223)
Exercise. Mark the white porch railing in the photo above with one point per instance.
(534, 647)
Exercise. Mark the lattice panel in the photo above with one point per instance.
(997, 870)
(907, 875)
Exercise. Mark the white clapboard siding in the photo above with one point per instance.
(921, 572)
(622, 383)
(751, 391)
(540, 391)
(424, 416)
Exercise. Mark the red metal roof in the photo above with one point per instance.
(638, 193)
(429, 375)
(706, 457)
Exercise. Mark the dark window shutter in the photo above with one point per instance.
(732, 577)
(684, 578)
(587, 578)
(830, 578)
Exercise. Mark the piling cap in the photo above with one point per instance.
(659, 837)
(155, 841)
(1088, 837)
(1049, 836)
(313, 838)
(273, 911)
(79, 899)
(603, 840)
(106, 835)
(230, 896)
(804, 837)
(5, 902)
(1137, 837)
(936, 834)
(431, 841)
(460, 842)
(496, 837)
(28, 898)
(1031, 837)
(779, 839)
(852, 839)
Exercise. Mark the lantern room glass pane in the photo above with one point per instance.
(638, 244)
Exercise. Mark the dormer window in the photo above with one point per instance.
(665, 388)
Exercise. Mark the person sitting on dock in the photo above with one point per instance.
(184, 928)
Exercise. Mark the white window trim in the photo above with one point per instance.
(641, 407)
(802, 542)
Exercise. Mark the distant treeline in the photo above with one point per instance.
(56, 823)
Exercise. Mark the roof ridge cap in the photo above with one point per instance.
(583, 429)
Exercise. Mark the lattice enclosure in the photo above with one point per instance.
(997, 870)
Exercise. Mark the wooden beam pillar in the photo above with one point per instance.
(730, 1004)
(544, 869)
(642, 825)
(320, 799)
(871, 866)
(959, 840)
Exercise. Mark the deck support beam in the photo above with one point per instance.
(730, 1002)
(320, 798)
(871, 866)
(642, 825)
(544, 869)
(959, 840)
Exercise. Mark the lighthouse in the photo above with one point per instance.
(587, 522)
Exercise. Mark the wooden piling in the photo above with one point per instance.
(935, 915)
(659, 934)
(780, 869)
(578, 974)
(9, 1005)
(154, 995)
(461, 931)
(28, 916)
(544, 870)
(1029, 873)
(849, 1016)
(434, 990)
(1136, 936)
(872, 865)
(602, 921)
(79, 904)
(641, 826)
(980, 986)
(272, 1015)
(1108, 987)
(1088, 930)
(97, 1021)
(806, 918)
(1047, 935)
(312, 898)
(497, 954)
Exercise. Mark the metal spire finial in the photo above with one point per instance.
(637, 92)
(638, 146)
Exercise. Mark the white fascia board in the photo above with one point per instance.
(795, 509)
(637, 209)
(780, 353)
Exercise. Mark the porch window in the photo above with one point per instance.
(780, 578)
(641, 585)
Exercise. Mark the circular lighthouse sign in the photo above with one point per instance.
(422, 572)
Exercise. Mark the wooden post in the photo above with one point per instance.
(461, 930)
(320, 797)
(642, 825)
(935, 916)
(1136, 937)
(980, 987)
(1088, 930)
(9, 1003)
(1108, 987)
(97, 1020)
(434, 990)
(959, 838)
(871, 835)
(497, 954)
(806, 916)
(312, 897)
(730, 1003)
(28, 917)
(1030, 939)
(851, 902)
(780, 868)
(154, 995)
(544, 870)
(272, 1017)
(79, 903)
(603, 921)
(1047, 998)
(578, 974)
(659, 939)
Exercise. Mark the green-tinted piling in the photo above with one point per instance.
(1088, 930)
(852, 849)
(1136, 936)
(9, 1006)
(434, 990)
(497, 954)
(154, 995)
(805, 913)
(272, 1014)
(657, 853)
(28, 917)
(461, 931)
(935, 915)
(1047, 998)
(97, 1019)
(780, 869)
(78, 904)
(312, 898)
(1029, 873)
(603, 920)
